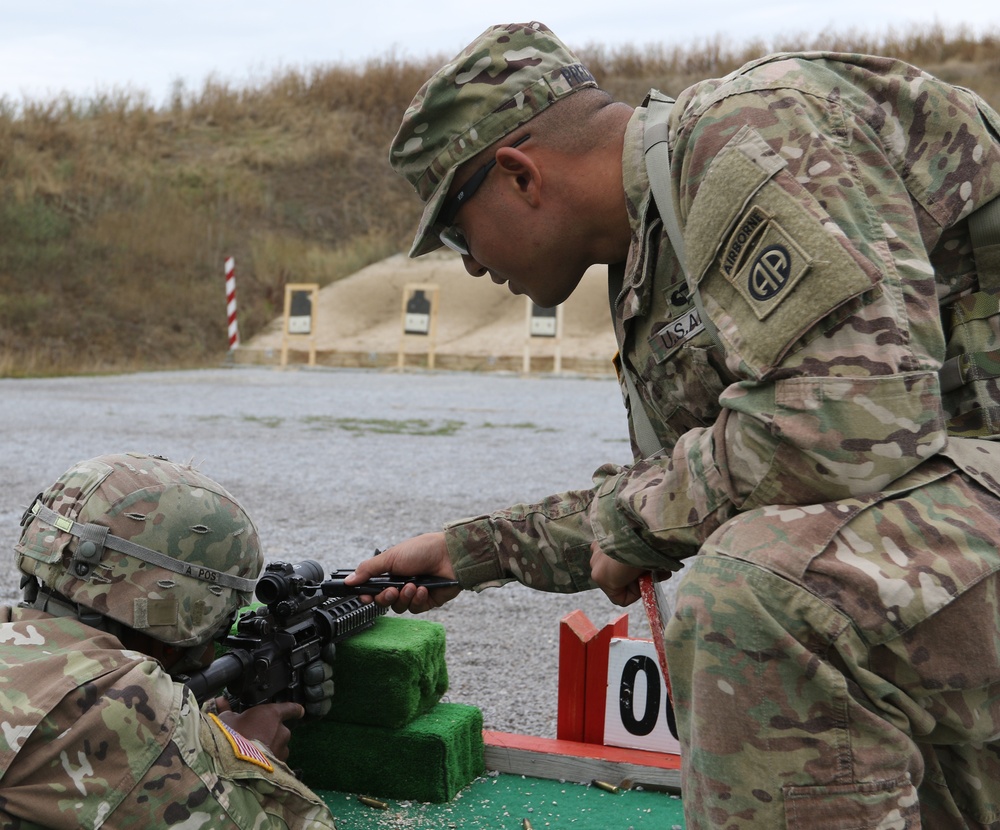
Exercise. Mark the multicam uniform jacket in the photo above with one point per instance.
(92, 735)
(823, 199)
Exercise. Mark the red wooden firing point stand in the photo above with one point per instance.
(611, 721)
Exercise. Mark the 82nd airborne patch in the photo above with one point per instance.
(763, 262)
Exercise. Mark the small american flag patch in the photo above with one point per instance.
(242, 748)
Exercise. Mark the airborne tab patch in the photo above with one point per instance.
(741, 240)
(771, 270)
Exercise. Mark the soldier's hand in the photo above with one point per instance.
(318, 683)
(618, 580)
(422, 555)
(265, 723)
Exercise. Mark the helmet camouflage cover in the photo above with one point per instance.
(154, 545)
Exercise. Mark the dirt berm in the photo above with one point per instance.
(479, 326)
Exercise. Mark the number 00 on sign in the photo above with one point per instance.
(635, 713)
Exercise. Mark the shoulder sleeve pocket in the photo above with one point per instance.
(766, 259)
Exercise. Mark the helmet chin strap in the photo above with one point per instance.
(42, 598)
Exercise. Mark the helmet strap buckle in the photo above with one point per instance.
(31, 510)
(89, 549)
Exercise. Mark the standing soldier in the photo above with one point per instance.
(805, 306)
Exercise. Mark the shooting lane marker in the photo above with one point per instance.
(301, 305)
(234, 331)
(636, 704)
(545, 323)
(419, 318)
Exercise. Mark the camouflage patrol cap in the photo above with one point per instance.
(505, 77)
(154, 545)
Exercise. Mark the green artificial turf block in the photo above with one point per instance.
(430, 759)
(389, 674)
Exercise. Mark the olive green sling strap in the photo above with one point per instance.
(658, 169)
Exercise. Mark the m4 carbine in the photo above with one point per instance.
(301, 613)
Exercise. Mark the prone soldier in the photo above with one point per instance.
(133, 566)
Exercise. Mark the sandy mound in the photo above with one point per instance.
(358, 321)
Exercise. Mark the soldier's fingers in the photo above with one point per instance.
(316, 693)
(316, 672)
(289, 710)
(411, 598)
(374, 566)
(387, 598)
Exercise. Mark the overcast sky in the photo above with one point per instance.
(48, 47)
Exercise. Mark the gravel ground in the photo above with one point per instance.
(332, 463)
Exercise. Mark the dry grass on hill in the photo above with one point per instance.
(116, 216)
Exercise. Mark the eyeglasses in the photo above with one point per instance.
(452, 236)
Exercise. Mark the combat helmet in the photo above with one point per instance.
(143, 542)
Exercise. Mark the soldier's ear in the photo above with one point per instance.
(521, 173)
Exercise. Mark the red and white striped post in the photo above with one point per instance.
(234, 331)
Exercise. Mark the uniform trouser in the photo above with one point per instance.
(843, 671)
